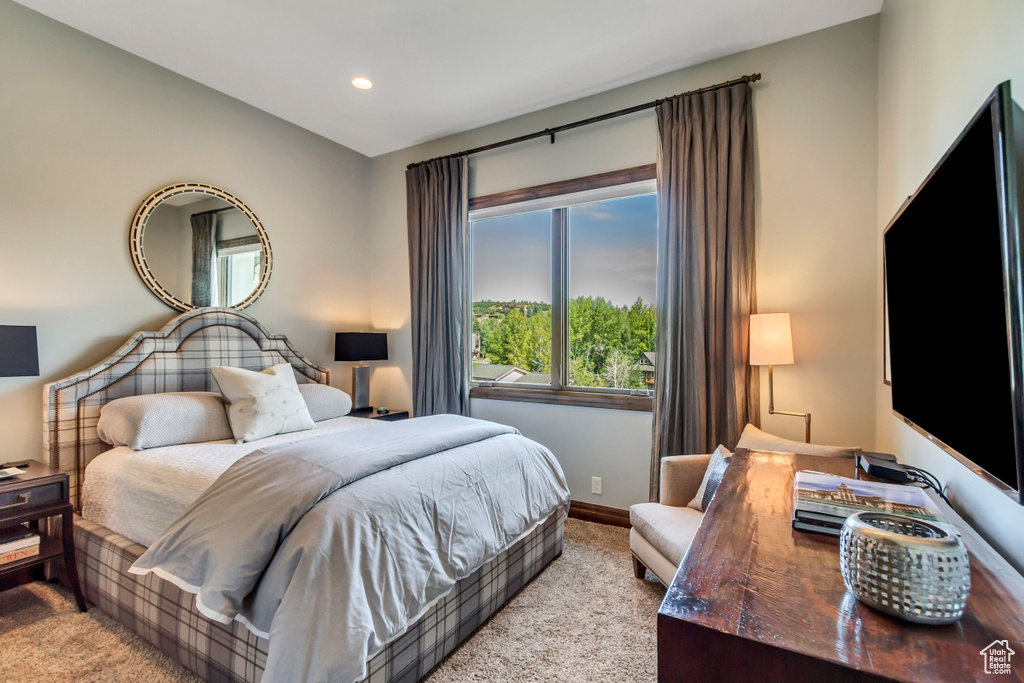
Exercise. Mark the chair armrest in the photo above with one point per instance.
(681, 476)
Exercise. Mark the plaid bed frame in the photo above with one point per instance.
(166, 616)
(177, 358)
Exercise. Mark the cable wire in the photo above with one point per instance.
(926, 479)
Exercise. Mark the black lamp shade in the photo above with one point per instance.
(359, 346)
(19, 356)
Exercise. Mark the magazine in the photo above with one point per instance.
(822, 502)
(9, 472)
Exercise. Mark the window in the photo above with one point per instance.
(238, 270)
(563, 292)
(613, 256)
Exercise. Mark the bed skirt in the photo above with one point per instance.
(167, 617)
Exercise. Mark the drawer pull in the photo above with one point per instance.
(22, 499)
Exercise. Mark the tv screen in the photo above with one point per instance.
(949, 316)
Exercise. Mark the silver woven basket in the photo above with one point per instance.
(905, 567)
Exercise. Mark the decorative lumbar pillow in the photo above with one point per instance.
(712, 478)
(155, 420)
(325, 402)
(757, 440)
(262, 404)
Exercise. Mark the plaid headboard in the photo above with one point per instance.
(177, 358)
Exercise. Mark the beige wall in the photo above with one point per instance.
(848, 121)
(815, 122)
(88, 132)
(938, 61)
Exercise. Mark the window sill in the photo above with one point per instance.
(564, 397)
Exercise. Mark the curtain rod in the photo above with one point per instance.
(586, 122)
(226, 208)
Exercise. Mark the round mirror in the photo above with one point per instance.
(196, 245)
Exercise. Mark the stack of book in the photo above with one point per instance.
(17, 543)
(822, 502)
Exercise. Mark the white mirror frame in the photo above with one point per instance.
(139, 254)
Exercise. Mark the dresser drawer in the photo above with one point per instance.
(27, 499)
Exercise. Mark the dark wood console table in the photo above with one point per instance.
(754, 600)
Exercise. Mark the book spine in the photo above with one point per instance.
(11, 546)
(16, 555)
(817, 529)
(819, 517)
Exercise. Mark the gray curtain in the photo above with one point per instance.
(705, 390)
(204, 228)
(437, 198)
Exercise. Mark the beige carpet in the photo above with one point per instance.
(585, 618)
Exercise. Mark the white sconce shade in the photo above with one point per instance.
(771, 339)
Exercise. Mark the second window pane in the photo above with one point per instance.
(612, 268)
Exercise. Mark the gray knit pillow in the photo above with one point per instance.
(712, 479)
(325, 402)
(154, 420)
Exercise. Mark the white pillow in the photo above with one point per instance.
(712, 478)
(757, 440)
(325, 402)
(154, 420)
(264, 403)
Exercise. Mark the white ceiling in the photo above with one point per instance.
(438, 66)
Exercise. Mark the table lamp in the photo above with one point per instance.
(359, 347)
(771, 343)
(19, 355)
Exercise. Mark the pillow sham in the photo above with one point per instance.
(325, 402)
(155, 420)
(712, 479)
(264, 403)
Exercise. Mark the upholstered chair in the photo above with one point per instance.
(662, 531)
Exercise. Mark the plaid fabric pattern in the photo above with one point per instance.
(167, 617)
(161, 612)
(177, 358)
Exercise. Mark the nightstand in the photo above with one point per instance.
(371, 414)
(40, 493)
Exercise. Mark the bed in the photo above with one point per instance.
(178, 358)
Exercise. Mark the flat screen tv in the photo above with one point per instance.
(954, 301)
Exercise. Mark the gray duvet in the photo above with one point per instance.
(331, 546)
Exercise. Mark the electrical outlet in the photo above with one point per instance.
(595, 485)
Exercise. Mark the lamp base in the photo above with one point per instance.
(360, 387)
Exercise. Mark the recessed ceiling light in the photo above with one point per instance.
(362, 83)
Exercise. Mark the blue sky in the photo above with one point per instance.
(612, 253)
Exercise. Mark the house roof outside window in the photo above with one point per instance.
(646, 362)
(496, 372)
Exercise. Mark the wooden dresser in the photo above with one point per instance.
(754, 600)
